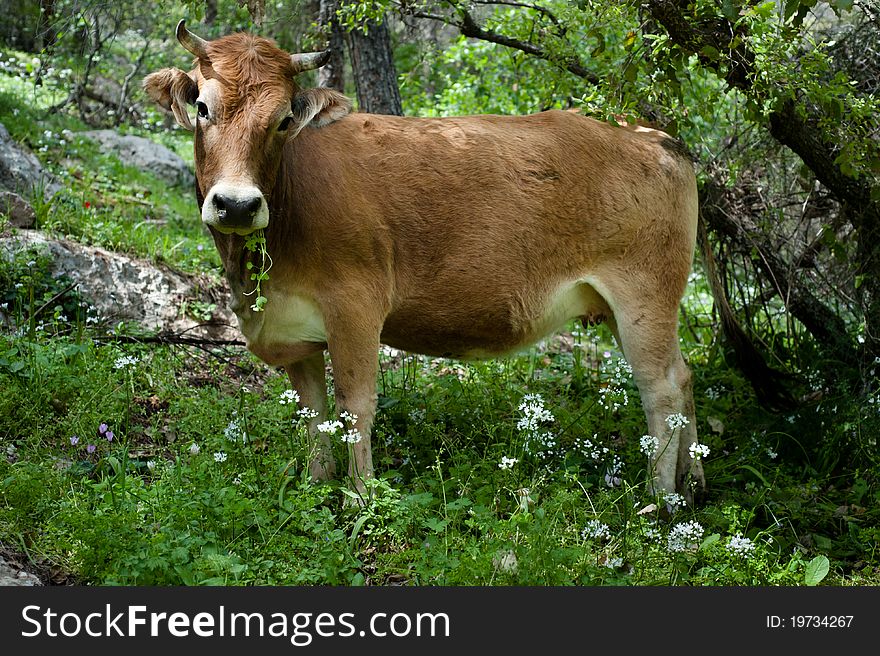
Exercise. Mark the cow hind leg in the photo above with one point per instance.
(307, 378)
(649, 340)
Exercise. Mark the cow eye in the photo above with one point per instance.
(202, 109)
(285, 123)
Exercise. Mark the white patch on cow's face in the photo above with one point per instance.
(235, 208)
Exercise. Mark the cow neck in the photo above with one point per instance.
(234, 257)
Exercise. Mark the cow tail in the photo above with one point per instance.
(769, 383)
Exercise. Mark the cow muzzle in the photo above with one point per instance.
(231, 208)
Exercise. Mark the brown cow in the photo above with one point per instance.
(466, 237)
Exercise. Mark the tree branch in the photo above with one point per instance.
(827, 327)
(793, 125)
(470, 28)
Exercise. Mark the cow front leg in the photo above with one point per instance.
(354, 352)
(307, 378)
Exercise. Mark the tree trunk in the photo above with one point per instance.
(47, 34)
(210, 11)
(372, 64)
(797, 126)
(332, 74)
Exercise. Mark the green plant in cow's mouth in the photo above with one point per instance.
(256, 243)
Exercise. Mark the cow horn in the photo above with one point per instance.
(195, 44)
(306, 61)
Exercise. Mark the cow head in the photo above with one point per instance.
(247, 105)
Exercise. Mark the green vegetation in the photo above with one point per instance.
(127, 463)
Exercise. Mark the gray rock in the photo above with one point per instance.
(125, 288)
(17, 210)
(11, 576)
(20, 170)
(145, 155)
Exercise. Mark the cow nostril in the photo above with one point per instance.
(253, 205)
(234, 211)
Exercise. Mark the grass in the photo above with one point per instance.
(205, 479)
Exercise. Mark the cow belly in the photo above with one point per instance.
(494, 327)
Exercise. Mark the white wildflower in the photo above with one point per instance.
(648, 444)
(349, 417)
(674, 501)
(288, 396)
(194, 449)
(590, 449)
(684, 537)
(353, 436)
(595, 530)
(220, 456)
(613, 563)
(740, 546)
(507, 463)
(151, 464)
(234, 430)
(534, 414)
(125, 361)
(698, 451)
(306, 413)
(330, 427)
(715, 392)
(676, 420)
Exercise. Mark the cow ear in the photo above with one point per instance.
(318, 107)
(173, 89)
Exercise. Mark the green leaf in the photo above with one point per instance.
(458, 504)
(822, 542)
(115, 464)
(709, 541)
(355, 531)
(765, 9)
(730, 10)
(185, 574)
(756, 473)
(711, 52)
(420, 499)
(817, 569)
(435, 524)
